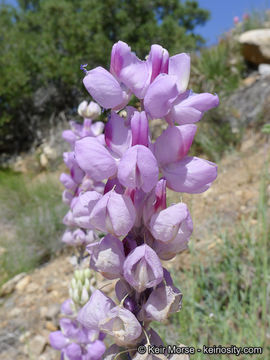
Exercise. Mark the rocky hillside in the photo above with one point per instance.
(30, 302)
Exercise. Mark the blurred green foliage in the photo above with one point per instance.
(219, 68)
(255, 19)
(43, 43)
(31, 213)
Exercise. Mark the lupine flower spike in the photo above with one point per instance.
(116, 191)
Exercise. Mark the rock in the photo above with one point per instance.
(15, 312)
(250, 80)
(264, 69)
(43, 312)
(256, 46)
(33, 287)
(10, 354)
(50, 326)
(52, 311)
(248, 105)
(43, 160)
(37, 345)
(49, 354)
(10, 285)
(24, 337)
(21, 285)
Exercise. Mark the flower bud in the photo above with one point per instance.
(68, 182)
(67, 237)
(73, 283)
(84, 296)
(67, 196)
(69, 219)
(76, 295)
(82, 108)
(87, 273)
(93, 110)
(79, 237)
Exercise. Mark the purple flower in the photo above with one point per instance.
(191, 175)
(160, 96)
(162, 301)
(67, 196)
(139, 128)
(68, 182)
(94, 351)
(95, 311)
(177, 141)
(113, 213)
(105, 89)
(75, 341)
(68, 219)
(142, 268)
(122, 325)
(94, 159)
(138, 169)
(166, 225)
(158, 59)
(156, 201)
(129, 70)
(117, 134)
(83, 207)
(189, 107)
(57, 340)
(107, 257)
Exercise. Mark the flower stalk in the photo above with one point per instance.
(117, 186)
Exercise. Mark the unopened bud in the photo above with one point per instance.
(84, 296)
(70, 291)
(93, 110)
(79, 285)
(87, 284)
(73, 283)
(76, 296)
(87, 273)
(77, 274)
(82, 108)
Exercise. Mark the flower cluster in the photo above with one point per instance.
(74, 340)
(140, 229)
(77, 181)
